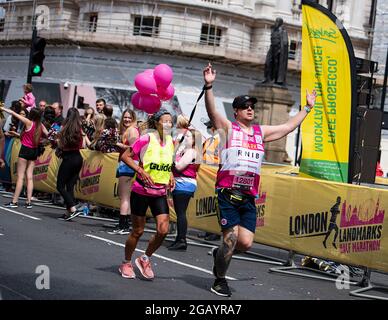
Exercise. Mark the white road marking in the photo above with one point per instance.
(15, 292)
(20, 214)
(158, 256)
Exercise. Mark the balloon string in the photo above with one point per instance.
(192, 112)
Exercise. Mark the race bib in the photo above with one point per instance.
(243, 182)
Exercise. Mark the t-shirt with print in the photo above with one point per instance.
(157, 190)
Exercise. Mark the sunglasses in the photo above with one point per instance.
(252, 106)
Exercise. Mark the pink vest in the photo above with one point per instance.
(241, 160)
(27, 138)
(189, 172)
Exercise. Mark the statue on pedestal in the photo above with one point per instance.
(277, 56)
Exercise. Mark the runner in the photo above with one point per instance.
(239, 174)
(155, 150)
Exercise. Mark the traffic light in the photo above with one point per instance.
(37, 56)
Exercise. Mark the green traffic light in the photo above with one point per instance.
(36, 69)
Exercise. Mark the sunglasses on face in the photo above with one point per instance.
(247, 106)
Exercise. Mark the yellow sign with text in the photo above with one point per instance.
(326, 67)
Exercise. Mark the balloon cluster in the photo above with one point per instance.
(154, 86)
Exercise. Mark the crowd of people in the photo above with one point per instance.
(155, 160)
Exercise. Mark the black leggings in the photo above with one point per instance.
(68, 175)
(181, 201)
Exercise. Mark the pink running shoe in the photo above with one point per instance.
(144, 267)
(126, 270)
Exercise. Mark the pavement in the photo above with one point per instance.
(43, 258)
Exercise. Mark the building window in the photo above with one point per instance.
(28, 23)
(210, 35)
(146, 26)
(19, 25)
(93, 17)
(2, 22)
(292, 50)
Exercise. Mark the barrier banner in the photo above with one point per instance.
(301, 214)
(328, 67)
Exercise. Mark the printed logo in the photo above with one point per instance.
(260, 208)
(359, 230)
(42, 165)
(90, 178)
(224, 222)
(158, 167)
(322, 34)
(206, 207)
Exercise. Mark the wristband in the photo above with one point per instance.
(307, 108)
(207, 88)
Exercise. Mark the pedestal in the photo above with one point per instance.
(273, 106)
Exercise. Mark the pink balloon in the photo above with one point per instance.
(135, 100)
(163, 75)
(149, 103)
(145, 83)
(165, 94)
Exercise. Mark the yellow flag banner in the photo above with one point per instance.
(342, 222)
(327, 67)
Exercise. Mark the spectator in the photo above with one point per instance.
(186, 165)
(129, 133)
(28, 98)
(17, 128)
(210, 149)
(58, 108)
(108, 111)
(99, 120)
(100, 105)
(30, 138)
(70, 140)
(109, 138)
(12, 121)
(42, 105)
(88, 123)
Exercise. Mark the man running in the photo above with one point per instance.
(242, 152)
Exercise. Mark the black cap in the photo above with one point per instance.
(240, 101)
(209, 124)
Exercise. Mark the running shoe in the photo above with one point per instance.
(126, 270)
(119, 230)
(11, 205)
(28, 205)
(180, 245)
(144, 266)
(221, 288)
(73, 215)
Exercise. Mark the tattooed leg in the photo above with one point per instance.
(225, 252)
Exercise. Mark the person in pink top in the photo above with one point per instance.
(28, 98)
(29, 138)
(155, 151)
(186, 165)
(238, 177)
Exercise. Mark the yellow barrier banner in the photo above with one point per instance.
(327, 67)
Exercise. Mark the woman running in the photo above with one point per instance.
(155, 150)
